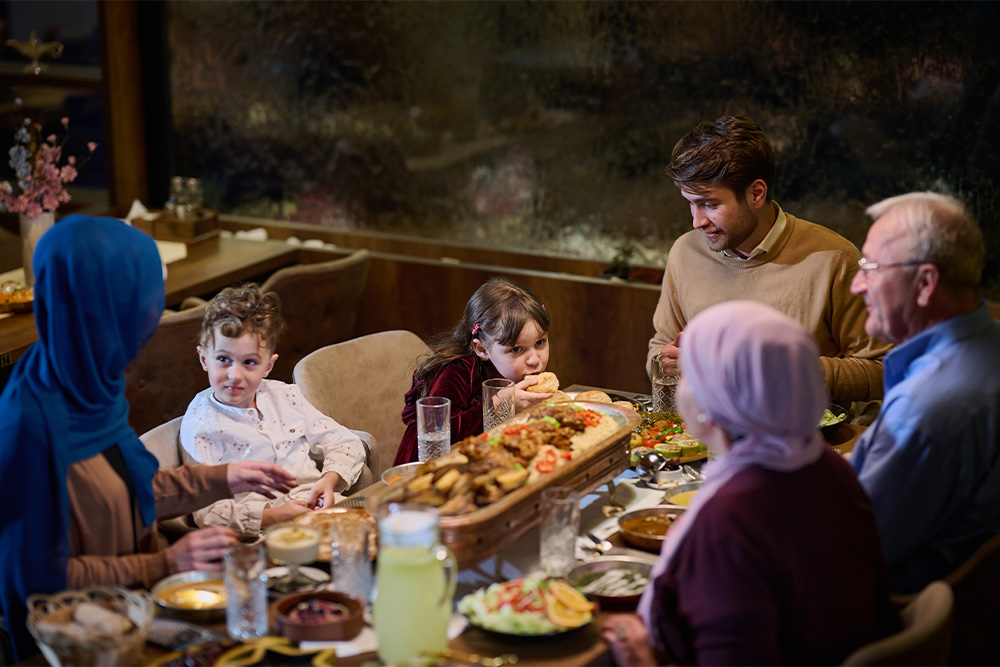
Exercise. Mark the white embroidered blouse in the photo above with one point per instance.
(290, 431)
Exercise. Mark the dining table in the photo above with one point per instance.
(206, 267)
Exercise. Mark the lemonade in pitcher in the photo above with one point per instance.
(415, 585)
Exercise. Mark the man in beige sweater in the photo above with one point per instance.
(743, 246)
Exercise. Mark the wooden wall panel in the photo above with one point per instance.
(600, 330)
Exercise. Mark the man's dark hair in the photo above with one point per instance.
(731, 151)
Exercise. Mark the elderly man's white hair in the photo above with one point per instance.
(942, 232)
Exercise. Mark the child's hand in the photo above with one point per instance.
(283, 512)
(322, 492)
(524, 399)
(200, 550)
(258, 477)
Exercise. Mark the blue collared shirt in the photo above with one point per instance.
(931, 460)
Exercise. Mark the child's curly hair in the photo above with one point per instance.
(244, 309)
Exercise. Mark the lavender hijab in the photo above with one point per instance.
(756, 373)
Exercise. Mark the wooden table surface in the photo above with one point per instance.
(209, 266)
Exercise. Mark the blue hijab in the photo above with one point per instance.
(98, 299)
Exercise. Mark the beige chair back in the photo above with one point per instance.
(976, 584)
(164, 441)
(165, 375)
(361, 383)
(926, 635)
(320, 303)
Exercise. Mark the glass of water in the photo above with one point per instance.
(433, 427)
(498, 402)
(559, 527)
(665, 380)
(246, 591)
(349, 558)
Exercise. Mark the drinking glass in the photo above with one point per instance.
(559, 527)
(665, 381)
(498, 402)
(433, 427)
(246, 591)
(292, 546)
(415, 581)
(349, 563)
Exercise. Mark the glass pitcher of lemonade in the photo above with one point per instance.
(414, 584)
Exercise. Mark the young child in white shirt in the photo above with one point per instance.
(244, 417)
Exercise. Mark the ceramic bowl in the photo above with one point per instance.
(837, 411)
(348, 626)
(632, 532)
(49, 614)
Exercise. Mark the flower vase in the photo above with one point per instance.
(32, 229)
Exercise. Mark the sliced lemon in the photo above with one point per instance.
(563, 616)
(569, 596)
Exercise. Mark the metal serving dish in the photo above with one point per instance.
(212, 614)
(402, 470)
(642, 540)
(583, 572)
(673, 491)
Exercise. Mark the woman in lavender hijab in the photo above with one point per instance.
(777, 560)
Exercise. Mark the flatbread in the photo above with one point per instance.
(593, 396)
(628, 405)
(559, 396)
(547, 383)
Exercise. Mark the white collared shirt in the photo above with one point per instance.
(766, 243)
(286, 432)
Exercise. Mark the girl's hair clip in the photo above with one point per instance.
(543, 307)
(475, 328)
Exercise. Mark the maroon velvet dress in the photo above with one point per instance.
(779, 568)
(461, 381)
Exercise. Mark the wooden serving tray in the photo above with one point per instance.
(476, 536)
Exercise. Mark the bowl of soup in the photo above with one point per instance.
(683, 494)
(199, 597)
(647, 528)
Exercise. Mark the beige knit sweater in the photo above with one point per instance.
(807, 276)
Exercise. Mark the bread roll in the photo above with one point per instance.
(547, 383)
(593, 396)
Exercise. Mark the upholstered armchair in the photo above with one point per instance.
(361, 383)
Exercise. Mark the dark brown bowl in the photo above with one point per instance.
(347, 627)
(640, 539)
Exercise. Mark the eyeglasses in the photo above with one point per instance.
(869, 267)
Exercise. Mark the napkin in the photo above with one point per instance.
(170, 251)
(366, 642)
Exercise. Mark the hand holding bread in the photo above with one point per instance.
(534, 389)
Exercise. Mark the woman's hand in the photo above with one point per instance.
(629, 641)
(200, 550)
(282, 512)
(524, 399)
(258, 477)
(322, 492)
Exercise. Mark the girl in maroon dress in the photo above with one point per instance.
(503, 333)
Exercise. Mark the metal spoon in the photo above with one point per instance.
(648, 464)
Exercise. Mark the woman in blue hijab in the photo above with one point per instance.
(71, 467)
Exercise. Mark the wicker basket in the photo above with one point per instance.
(60, 649)
(476, 536)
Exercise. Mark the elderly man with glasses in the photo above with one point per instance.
(931, 460)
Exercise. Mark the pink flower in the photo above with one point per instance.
(92, 145)
(42, 183)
